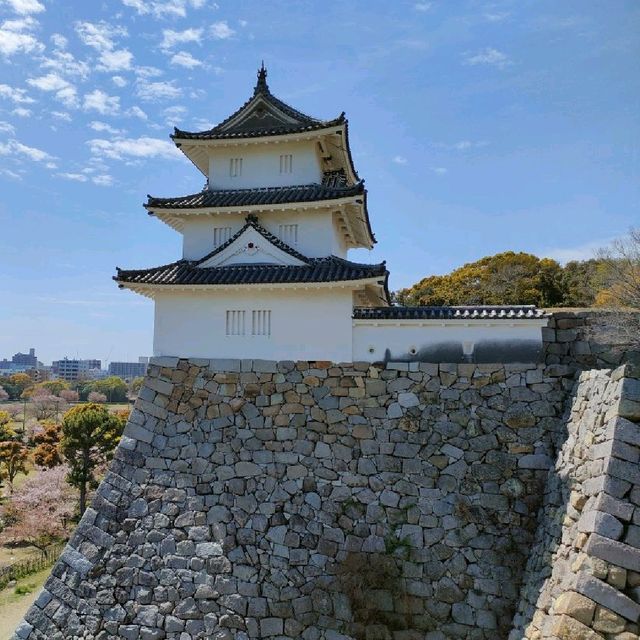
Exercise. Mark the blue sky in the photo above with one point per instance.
(479, 127)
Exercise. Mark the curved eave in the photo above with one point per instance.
(197, 150)
(175, 217)
(151, 290)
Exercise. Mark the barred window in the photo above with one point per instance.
(288, 233)
(221, 235)
(261, 322)
(286, 163)
(235, 323)
(235, 167)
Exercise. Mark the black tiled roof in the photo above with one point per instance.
(188, 272)
(332, 187)
(266, 125)
(185, 272)
(506, 312)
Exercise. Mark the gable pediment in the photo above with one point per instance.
(251, 248)
(260, 113)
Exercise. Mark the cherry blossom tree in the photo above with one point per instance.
(3, 395)
(41, 508)
(69, 395)
(45, 405)
(96, 396)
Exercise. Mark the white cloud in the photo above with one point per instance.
(59, 41)
(119, 81)
(174, 114)
(19, 96)
(99, 101)
(103, 180)
(439, 170)
(423, 6)
(585, 251)
(61, 115)
(185, 59)
(25, 7)
(119, 60)
(96, 125)
(154, 91)
(125, 148)
(100, 35)
(496, 16)
(136, 112)
(5, 127)
(489, 56)
(399, 160)
(461, 145)
(164, 8)
(11, 174)
(221, 30)
(76, 177)
(15, 37)
(21, 112)
(148, 72)
(64, 62)
(31, 153)
(243, 23)
(171, 38)
(64, 91)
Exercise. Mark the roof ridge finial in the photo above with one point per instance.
(261, 85)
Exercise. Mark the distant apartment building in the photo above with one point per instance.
(26, 359)
(75, 369)
(128, 370)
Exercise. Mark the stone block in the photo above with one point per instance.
(535, 461)
(618, 508)
(566, 628)
(576, 606)
(602, 523)
(607, 596)
(225, 364)
(620, 428)
(618, 553)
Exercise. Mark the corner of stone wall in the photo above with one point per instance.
(583, 575)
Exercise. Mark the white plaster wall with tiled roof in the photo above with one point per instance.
(261, 165)
(306, 324)
(317, 234)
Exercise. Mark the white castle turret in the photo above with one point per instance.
(264, 270)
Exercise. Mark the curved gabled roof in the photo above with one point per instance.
(256, 196)
(262, 115)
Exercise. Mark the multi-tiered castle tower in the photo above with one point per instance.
(264, 270)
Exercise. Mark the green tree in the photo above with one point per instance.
(135, 385)
(54, 387)
(580, 282)
(13, 460)
(505, 278)
(21, 382)
(89, 436)
(113, 387)
(45, 441)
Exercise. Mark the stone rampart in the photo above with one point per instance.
(592, 339)
(255, 499)
(583, 575)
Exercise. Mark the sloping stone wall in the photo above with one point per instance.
(583, 575)
(592, 339)
(253, 499)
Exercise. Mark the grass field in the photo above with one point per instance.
(13, 605)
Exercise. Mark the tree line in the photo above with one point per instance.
(612, 279)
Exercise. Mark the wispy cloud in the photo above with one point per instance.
(185, 59)
(489, 57)
(25, 7)
(65, 63)
(171, 38)
(133, 148)
(136, 112)
(399, 160)
(461, 145)
(439, 170)
(423, 6)
(156, 91)
(31, 153)
(164, 8)
(6, 127)
(16, 37)
(96, 125)
(101, 102)
(21, 112)
(117, 60)
(19, 96)
(101, 36)
(221, 30)
(76, 177)
(584, 251)
(119, 81)
(64, 91)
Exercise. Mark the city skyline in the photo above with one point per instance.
(480, 127)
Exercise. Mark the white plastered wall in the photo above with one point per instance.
(312, 324)
(317, 234)
(261, 165)
(402, 340)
